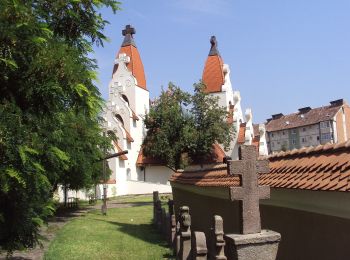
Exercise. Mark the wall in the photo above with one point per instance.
(340, 126)
(307, 235)
(158, 174)
(313, 224)
(139, 187)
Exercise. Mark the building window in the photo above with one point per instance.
(326, 136)
(283, 133)
(125, 99)
(294, 131)
(272, 135)
(324, 124)
(318, 138)
(294, 141)
(303, 140)
(304, 129)
(120, 119)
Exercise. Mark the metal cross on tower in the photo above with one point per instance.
(249, 193)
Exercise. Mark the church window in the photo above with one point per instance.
(119, 118)
(125, 99)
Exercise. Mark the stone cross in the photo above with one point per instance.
(219, 240)
(122, 58)
(249, 192)
(128, 30)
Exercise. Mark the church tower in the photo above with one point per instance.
(127, 105)
(216, 77)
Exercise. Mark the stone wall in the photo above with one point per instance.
(310, 228)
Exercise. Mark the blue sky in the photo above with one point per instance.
(283, 55)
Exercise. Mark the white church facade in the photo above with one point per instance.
(129, 102)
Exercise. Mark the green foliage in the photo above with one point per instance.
(182, 128)
(49, 107)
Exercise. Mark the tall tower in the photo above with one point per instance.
(216, 77)
(127, 105)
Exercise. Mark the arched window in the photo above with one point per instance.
(125, 98)
(120, 119)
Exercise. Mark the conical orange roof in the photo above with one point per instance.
(135, 65)
(213, 74)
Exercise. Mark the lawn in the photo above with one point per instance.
(125, 233)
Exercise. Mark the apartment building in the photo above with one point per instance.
(309, 127)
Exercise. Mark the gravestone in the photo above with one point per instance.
(184, 246)
(159, 214)
(199, 246)
(171, 224)
(155, 198)
(164, 223)
(219, 241)
(252, 243)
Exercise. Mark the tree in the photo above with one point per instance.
(182, 127)
(49, 109)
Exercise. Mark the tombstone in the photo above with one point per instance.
(159, 215)
(172, 237)
(219, 241)
(155, 198)
(199, 246)
(171, 206)
(164, 222)
(184, 238)
(252, 242)
(171, 224)
(177, 240)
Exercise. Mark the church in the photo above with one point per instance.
(129, 102)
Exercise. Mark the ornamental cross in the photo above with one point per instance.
(249, 193)
(128, 30)
(122, 57)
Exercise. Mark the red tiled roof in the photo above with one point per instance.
(135, 65)
(325, 168)
(213, 74)
(298, 119)
(123, 156)
(110, 181)
(217, 156)
(146, 160)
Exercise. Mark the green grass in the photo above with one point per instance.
(125, 233)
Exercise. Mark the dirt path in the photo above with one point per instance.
(55, 224)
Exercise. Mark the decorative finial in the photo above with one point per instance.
(128, 32)
(214, 44)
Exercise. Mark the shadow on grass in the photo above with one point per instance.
(132, 204)
(145, 232)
